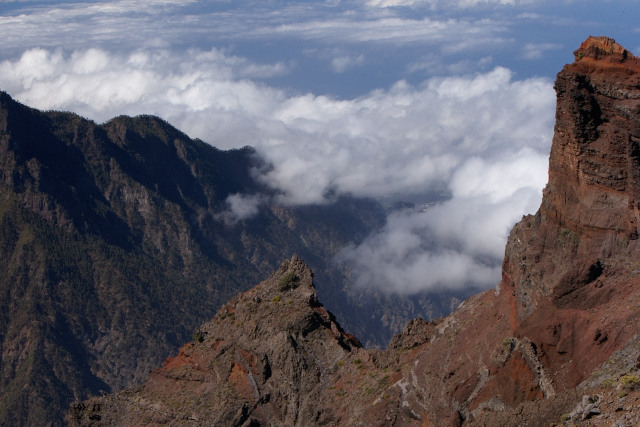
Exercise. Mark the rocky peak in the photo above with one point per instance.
(604, 50)
(267, 356)
(567, 265)
(589, 218)
(594, 174)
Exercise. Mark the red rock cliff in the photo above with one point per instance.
(572, 267)
(570, 289)
(594, 173)
(587, 226)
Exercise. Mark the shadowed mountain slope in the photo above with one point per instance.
(115, 242)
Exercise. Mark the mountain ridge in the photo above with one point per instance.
(108, 261)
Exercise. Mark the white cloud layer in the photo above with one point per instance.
(485, 137)
(440, 4)
(405, 139)
(160, 23)
(456, 243)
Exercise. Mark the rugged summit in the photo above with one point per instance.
(269, 354)
(562, 324)
(576, 260)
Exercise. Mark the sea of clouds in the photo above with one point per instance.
(474, 132)
(483, 137)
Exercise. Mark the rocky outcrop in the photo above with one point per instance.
(565, 302)
(573, 265)
(556, 341)
(270, 355)
(273, 356)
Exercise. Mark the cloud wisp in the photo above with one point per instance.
(241, 207)
(456, 243)
(444, 4)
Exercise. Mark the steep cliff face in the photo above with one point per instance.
(563, 321)
(591, 202)
(569, 294)
(576, 260)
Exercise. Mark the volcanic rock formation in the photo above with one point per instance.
(268, 354)
(562, 324)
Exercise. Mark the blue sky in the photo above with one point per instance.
(341, 48)
(392, 99)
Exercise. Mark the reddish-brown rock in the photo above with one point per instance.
(271, 355)
(571, 267)
(522, 354)
(569, 274)
(566, 300)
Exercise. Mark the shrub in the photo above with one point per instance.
(629, 382)
(197, 336)
(382, 382)
(288, 282)
(568, 238)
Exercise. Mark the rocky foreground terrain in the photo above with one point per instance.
(556, 342)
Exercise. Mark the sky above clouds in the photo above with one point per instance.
(448, 103)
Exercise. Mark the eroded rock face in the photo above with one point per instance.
(568, 295)
(569, 273)
(569, 299)
(590, 207)
(576, 257)
(270, 354)
(594, 183)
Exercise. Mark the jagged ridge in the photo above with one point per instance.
(269, 354)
